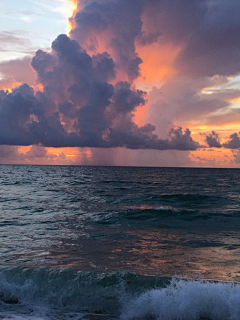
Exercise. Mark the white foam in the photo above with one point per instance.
(52, 294)
(187, 300)
(168, 208)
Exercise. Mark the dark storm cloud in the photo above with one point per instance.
(125, 99)
(42, 62)
(78, 106)
(213, 140)
(233, 142)
(116, 24)
(213, 46)
(173, 20)
(15, 111)
(206, 30)
(88, 98)
(26, 128)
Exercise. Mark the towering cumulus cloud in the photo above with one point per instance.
(88, 96)
(89, 91)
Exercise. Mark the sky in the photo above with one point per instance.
(120, 82)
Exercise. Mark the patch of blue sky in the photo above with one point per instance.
(29, 25)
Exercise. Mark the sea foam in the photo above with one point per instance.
(47, 293)
(186, 300)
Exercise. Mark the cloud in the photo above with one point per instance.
(236, 156)
(213, 46)
(15, 41)
(113, 25)
(19, 70)
(35, 155)
(186, 102)
(8, 152)
(39, 152)
(213, 140)
(8, 83)
(206, 30)
(79, 107)
(233, 142)
(13, 38)
(89, 79)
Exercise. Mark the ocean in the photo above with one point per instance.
(119, 243)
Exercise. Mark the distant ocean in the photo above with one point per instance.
(119, 243)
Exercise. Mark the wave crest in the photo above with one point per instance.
(187, 300)
(125, 295)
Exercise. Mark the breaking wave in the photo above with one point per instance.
(187, 300)
(47, 292)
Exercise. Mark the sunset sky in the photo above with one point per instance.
(120, 82)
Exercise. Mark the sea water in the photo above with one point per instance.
(119, 243)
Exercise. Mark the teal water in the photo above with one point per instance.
(129, 243)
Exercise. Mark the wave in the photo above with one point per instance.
(60, 288)
(186, 196)
(187, 300)
(191, 199)
(147, 212)
(69, 289)
(126, 296)
(158, 214)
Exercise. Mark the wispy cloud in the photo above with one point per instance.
(58, 6)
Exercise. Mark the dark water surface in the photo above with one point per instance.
(107, 240)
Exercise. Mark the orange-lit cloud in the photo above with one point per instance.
(157, 63)
(69, 152)
(18, 71)
(39, 87)
(72, 155)
(157, 67)
(24, 149)
(213, 158)
(72, 10)
(8, 84)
